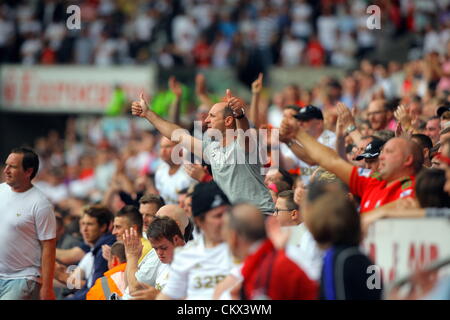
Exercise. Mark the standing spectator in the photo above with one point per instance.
(240, 181)
(335, 225)
(400, 160)
(267, 272)
(28, 231)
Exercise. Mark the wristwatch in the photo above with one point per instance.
(241, 116)
(350, 129)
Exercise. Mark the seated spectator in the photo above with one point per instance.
(203, 262)
(113, 281)
(165, 235)
(144, 274)
(149, 204)
(95, 226)
(128, 217)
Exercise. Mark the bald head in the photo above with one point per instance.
(248, 222)
(399, 157)
(176, 213)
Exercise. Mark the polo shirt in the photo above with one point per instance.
(374, 191)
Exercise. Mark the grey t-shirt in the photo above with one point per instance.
(238, 173)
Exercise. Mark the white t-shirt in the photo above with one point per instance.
(150, 271)
(87, 265)
(196, 270)
(26, 218)
(304, 252)
(169, 185)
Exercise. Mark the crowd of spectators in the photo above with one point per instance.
(217, 33)
(350, 149)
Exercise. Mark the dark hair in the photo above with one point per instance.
(163, 227)
(30, 159)
(417, 153)
(286, 176)
(430, 189)
(101, 213)
(188, 231)
(423, 141)
(133, 215)
(334, 220)
(152, 198)
(289, 196)
(118, 250)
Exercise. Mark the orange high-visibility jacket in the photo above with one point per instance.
(110, 283)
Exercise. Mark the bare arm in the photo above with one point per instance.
(174, 112)
(254, 106)
(325, 157)
(69, 256)
(133, 250)
(167, 128)
(47, 269)
(200, 90)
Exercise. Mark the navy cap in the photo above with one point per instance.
(207, 196)
(309, 112)
(372, 150)
(442, 109)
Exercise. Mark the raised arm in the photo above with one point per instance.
(174, 112)
(166, 128)
(324, 156)
(254, 105)
(348, 122)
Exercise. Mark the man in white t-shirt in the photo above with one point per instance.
(310, 119)
(170, 177)
(27, 232)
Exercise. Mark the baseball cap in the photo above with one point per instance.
(207, 196)
(309, 112)
(372, 150)
(442, 109)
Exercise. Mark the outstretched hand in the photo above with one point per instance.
(345, 117)
(132, 243)
(140, 108)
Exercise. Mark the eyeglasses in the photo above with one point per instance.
(275, 213)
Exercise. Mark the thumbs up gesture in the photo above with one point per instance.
(140, 108)
(236, 104)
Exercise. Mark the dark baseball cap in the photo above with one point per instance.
(372, 150)
(442, 109)
(309, 112)
(207, 196)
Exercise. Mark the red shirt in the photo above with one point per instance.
(375, 193)
(270, 272)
